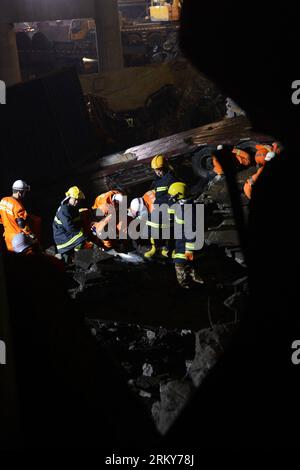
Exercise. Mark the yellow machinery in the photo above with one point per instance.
(160, 10)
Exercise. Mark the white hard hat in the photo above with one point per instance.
(21, 242)
(21, 185)
(136, 206)
(118, 197)
(270, 156)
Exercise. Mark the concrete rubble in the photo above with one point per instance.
(164, 367)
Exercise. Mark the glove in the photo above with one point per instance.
(189, 255)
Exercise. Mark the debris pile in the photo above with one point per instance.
(162, 366)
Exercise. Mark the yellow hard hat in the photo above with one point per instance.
(178, 190)
(75, 192)
(158, 162)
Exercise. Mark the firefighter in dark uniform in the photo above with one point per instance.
(186, 249)
(164, 179)
(68, 232)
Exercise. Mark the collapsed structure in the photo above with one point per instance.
(213, 309)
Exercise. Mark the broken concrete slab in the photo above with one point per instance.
(209, 347)
(86, 278)
(173, 397)
(85, 258)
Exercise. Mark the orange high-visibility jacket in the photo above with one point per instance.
(104, 201)
(11, 209)
(149, 199)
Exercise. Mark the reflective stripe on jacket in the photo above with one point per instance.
(67, 229)
(184, 243)
(161, 186)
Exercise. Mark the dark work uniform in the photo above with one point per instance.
(161, 186)
(67, 228)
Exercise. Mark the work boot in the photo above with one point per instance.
(66, 258)
(165, 252)
(182, 274)
(151, 252)
(196, 277)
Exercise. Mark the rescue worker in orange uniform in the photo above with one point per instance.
(105, 206)
(14, 216)
(104, 202)
(251, 181)
(264, 153)
(142, 208)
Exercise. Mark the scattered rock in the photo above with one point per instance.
(185, 332)
(144, 394)
(150, 335)
(208, 349)
(173, 362)
(147, 370)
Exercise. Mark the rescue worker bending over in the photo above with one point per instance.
(264, 154)
(104, 202)
(68, 233)
(141, 208)
(105, 206)
(15, 219)
(152, 221)
(185, 250)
